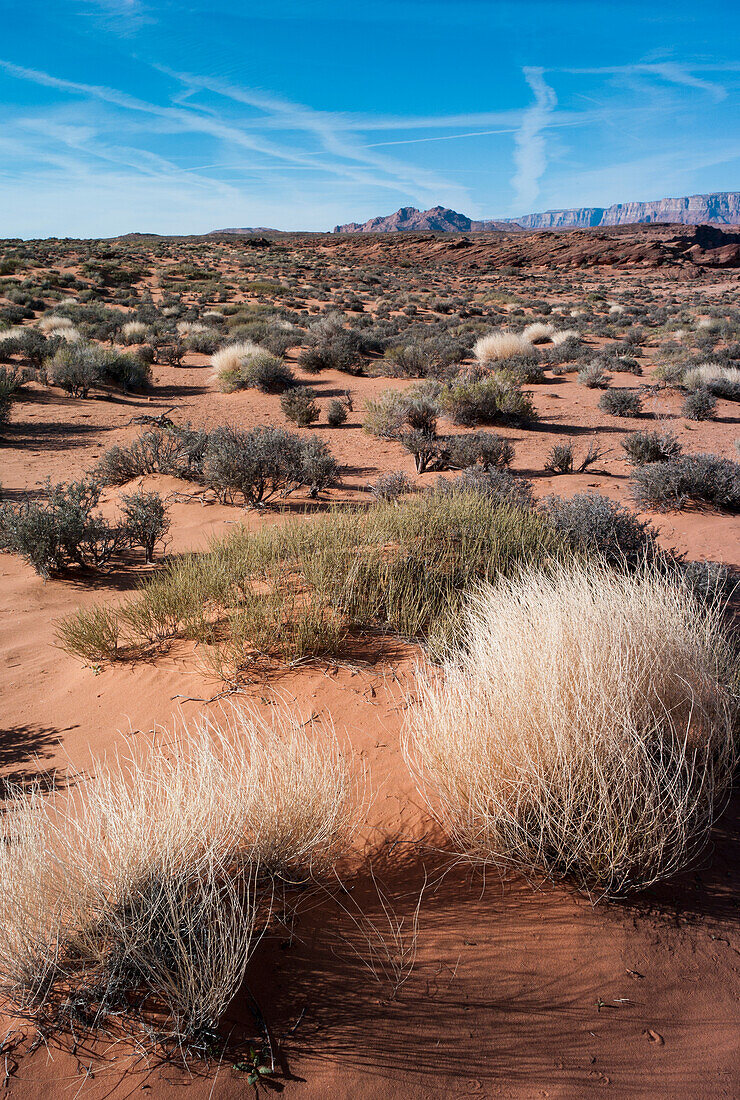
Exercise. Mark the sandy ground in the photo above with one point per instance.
(519, 989)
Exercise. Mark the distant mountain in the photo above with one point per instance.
(440, 219)
(247, 231)
(719, 208)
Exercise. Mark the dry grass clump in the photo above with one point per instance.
(140, 894)
(133, 332)
(68, 333)
(230, 358)
(189, 328)
(54, 322)
(585, 729)
(563, 336)
(720, 381)
(539, 333)
(244, 364)
(500, 345)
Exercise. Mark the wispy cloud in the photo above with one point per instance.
(530, 155)
(120, 16)
(672, 72)
(333, 137)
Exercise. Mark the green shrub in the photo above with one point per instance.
(146, 520)
(679, 483)
(297, 589)
(699, 405)
(336, 413)
(599, 526)
(299, 405)
(643, 447)
(265, 462)
(621, 402)
(92, 634)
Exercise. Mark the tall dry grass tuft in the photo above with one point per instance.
(500, 345)
(539, 333)
(150, 883)
(54, 322)
(585, 730)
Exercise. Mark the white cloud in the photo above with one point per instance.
(530, 157)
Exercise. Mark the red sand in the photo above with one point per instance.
(518, 990)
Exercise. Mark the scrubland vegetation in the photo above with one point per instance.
(141, 896)
(583, 729)
(574, 708)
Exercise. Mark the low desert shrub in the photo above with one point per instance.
(621, 402)
(204, 341)
(177, 452)
(601, 527)
(28, 343)
(128, 372)
(145, 519)
(699, 405)
(76, 369)
(328, 344)
(562, 458)
(299, 406)
(594, 376)
(500, 487)
(391, 486)
(264, 462)
(690, 480)
(11, 381)
(583, 730)
(248, 366)
(488, 449)
(336, 413)
(60, 531)
(643, 447)
(65, 530)
(488, 401)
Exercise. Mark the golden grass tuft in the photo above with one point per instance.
(539, 333)
(152, 879)
(54, 322)
(500, 345)
(584, 731)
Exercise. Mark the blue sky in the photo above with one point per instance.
(180, 117)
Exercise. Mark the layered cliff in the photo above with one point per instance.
(719, 208)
